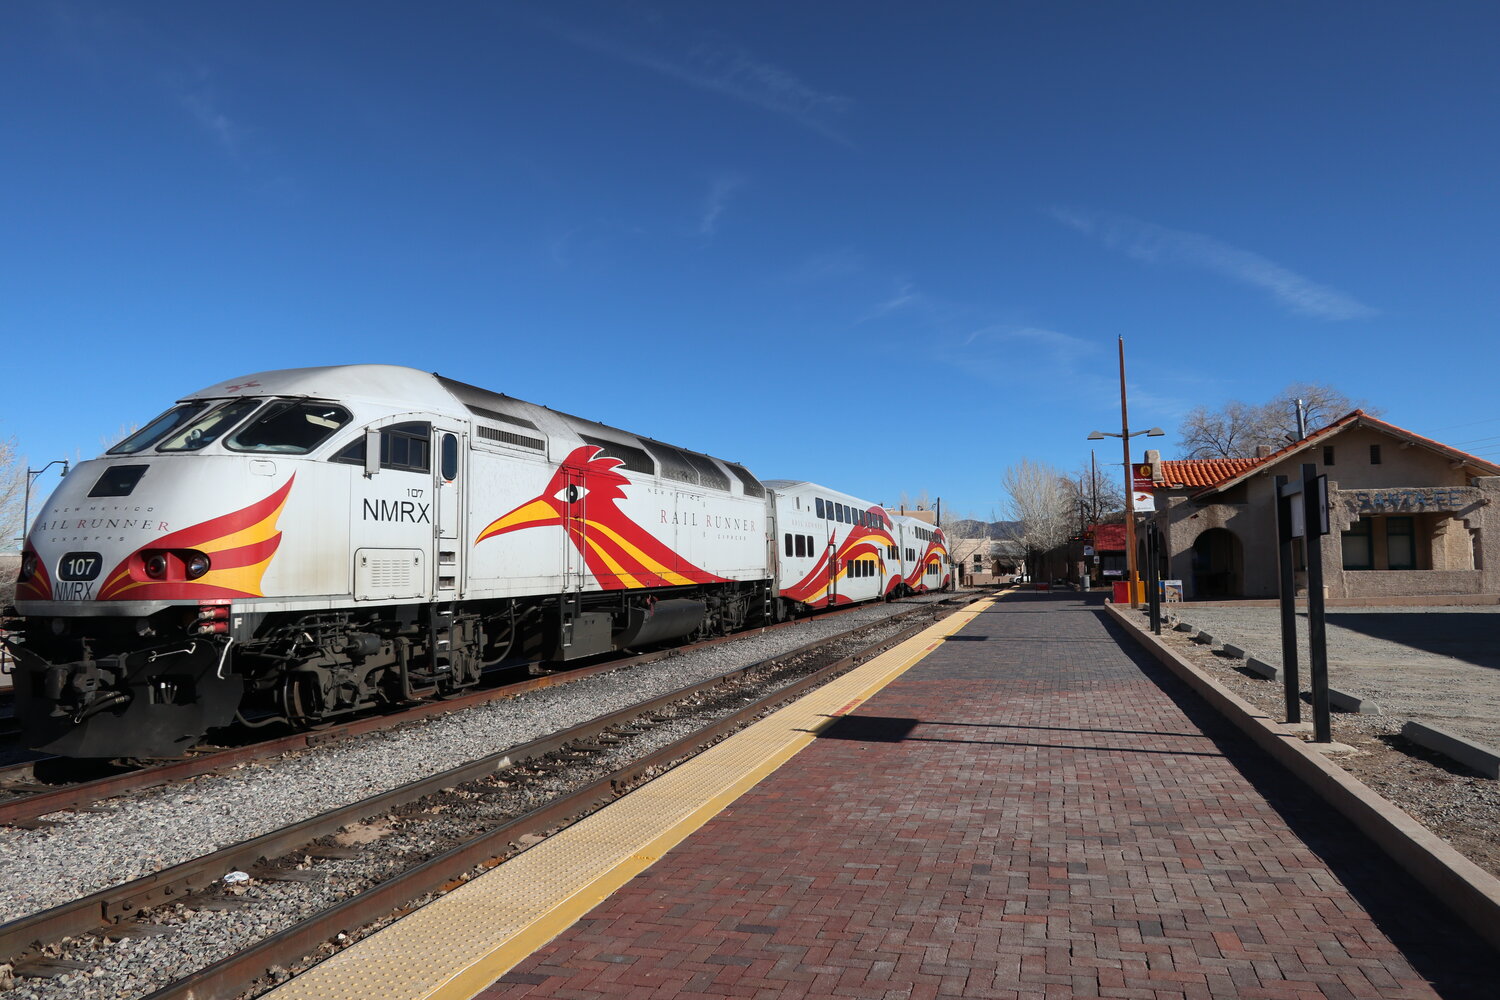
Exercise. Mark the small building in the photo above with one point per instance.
(1409, 516)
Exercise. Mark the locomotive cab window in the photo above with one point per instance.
(158, 428)
(402, 446)
(209, 427)
(290, 427)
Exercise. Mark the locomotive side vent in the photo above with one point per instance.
(509, 437)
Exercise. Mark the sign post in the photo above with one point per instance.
(1302, 512)
(1287, 591)
(1153, 574)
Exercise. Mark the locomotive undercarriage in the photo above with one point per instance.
(153, 687)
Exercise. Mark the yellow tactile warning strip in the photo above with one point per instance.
(460, 943)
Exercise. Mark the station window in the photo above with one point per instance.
(1328, 454)
(1374, 454)
(1359, 553)
(1400, 543)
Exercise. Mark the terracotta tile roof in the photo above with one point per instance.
(1204, 472)
(1359, 417)
(1108, 537)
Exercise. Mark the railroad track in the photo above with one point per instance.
(274, 856)
(51, 784)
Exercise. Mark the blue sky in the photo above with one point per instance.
(886, 246)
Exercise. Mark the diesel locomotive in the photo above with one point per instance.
(297, 545)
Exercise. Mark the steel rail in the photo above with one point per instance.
(30, 805)
(111, 905)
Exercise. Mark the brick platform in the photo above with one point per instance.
(1033, 811)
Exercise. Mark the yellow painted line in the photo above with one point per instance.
(463, 941)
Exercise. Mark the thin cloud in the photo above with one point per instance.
(733, 72)
(719, 195)
(829, 265)
(1061, 351)
(1153, 244)
(906, 294)
(204, 110)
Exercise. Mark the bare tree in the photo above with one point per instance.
(1238, 428)
(1232, 432)
(1097, 493)
(1041, 500)
(1322, 404)
(12, 490)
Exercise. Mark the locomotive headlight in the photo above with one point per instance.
(28, 568)
(197, 564)
(156, 566)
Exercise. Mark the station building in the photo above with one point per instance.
(1409, 517)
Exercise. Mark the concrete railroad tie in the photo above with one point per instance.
(1203, 639)
(1182, 627)
(1233, 651)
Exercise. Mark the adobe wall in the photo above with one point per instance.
(1408, 479)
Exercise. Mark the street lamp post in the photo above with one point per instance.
(31, 475)
(1125, 437)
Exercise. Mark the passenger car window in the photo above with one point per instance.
(290, 427)
(208, 428)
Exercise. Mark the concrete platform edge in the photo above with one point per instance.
(1468, 890)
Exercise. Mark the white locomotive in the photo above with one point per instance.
(298, 545)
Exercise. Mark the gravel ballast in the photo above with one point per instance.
(152, 830)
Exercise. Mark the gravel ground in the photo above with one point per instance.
(1439, 665)
(152, 830)
(1444, 673)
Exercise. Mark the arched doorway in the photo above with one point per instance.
(1217, 564)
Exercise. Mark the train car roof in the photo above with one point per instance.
(394, 384)
(405, 387)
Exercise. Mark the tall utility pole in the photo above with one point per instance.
(1124, 436)
(1129, 485)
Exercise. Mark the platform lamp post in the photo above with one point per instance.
(31, 475)
(1125, 437)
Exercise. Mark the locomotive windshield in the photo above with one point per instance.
(209, 427)
(290, 427)
(158, 428)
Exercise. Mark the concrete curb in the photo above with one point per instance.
(1468, 890)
